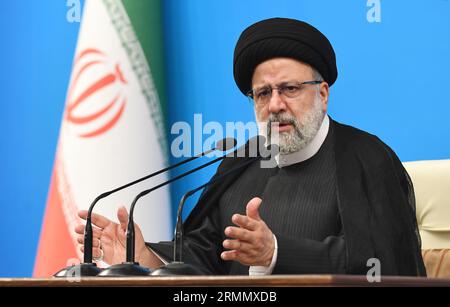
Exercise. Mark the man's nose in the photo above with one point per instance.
(276, 102)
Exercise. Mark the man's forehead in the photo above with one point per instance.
(280, 70)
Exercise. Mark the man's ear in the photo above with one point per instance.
(324, 92)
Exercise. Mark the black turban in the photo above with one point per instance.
(282, 37)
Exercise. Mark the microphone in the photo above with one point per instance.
(177, 266)
(130, 267)
(88, 268)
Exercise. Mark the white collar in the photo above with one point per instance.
(310, 150)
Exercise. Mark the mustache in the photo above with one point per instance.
(282, 118)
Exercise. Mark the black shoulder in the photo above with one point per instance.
(363, 143)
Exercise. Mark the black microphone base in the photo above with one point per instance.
(177, 268)
(79, 270)
(125, 269)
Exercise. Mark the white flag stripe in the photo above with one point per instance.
(127, 150)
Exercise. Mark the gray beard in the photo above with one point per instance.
(302, 134)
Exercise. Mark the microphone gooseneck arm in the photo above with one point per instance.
(130, 229)
(222, 145)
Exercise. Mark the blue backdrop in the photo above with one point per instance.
(393, 82)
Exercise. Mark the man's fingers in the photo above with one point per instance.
(238, 245)
(244, 221)
(95, 242)
(95, 251)
(229, 255)
(252, 209)
(79, 229)
(232, 244)
(100, 221)
(122, 215)
(97, 219)
(238, 233)
(243, 258)
(83, 214)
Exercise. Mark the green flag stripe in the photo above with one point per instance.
(140, 65)
(147, 21)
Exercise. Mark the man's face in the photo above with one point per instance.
(299, 118)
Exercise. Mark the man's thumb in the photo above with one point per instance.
(252, 210)
(122, 215)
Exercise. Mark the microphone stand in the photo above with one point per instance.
(89, 268)
(130, 267)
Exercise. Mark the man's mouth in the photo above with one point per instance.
(283, 126)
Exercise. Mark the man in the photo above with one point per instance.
(338, 198)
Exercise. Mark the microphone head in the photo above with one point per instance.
(226, 144)
(260, 140)
(273, 148)
(257, 143)
(251, 149)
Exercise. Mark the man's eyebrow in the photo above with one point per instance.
(277, 84)
(284, 83)
(262, 86)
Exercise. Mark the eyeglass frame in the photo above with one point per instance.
(250, 93)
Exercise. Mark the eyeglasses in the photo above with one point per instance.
(290, 90)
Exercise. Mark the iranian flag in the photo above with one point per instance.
(112, 130)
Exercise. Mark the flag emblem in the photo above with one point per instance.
(96, 98)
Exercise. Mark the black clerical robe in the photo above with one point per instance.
(376, 213)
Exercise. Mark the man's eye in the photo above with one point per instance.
(291, 88)
(263, 93)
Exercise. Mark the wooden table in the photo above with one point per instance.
(225, 281)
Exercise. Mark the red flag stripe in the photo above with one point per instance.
(56, 245)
